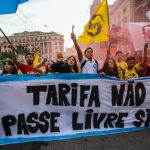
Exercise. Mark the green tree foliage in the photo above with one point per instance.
(4, 56)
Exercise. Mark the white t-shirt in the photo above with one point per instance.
(89, 67)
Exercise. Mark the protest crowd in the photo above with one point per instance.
(121, 66)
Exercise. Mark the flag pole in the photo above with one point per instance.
(109, 42)
(7, 39)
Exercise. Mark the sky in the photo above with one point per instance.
(49, 15)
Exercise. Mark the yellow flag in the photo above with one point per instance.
(36, 60)
(96, 30)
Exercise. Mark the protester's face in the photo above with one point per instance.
(111, 63)
(29, 59)
(60, 57)
(71, 61)
(119, 57)
(89, 53)
(131, 64)
(49, 66)
(8, 67)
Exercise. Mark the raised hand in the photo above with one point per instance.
(73, 36)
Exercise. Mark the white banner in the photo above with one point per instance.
(61, 106)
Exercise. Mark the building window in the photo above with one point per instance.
(52, 37)
(58, 37)
(43, 38)
(38, 38)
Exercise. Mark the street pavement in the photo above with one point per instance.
(125, 141)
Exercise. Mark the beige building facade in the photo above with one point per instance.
(48, 43)
(141, 7)
(127, 11)
(122, 11)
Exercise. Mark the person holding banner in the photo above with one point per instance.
(9, 68)
(120, 64)
(87, 63)
(25, 68)
(72, 62)
(110, 68)
(49, 68)
(60, 66)
(131, 71)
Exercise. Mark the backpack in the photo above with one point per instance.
(84, 62)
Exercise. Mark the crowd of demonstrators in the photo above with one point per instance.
(134, 67)
(60, 66)
(118, 68)
(65, 66)
(121, 66)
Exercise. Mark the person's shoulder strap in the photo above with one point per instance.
(83, 63)
(96, 63)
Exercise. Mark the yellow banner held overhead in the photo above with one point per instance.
(96, 30)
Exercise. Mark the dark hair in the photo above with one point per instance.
(14, 70)
(10, 62)
(130, 58)
(29, 54)
(46, 72)
(75, 67)
(109, 72)
(87, 49)
(118, 52)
